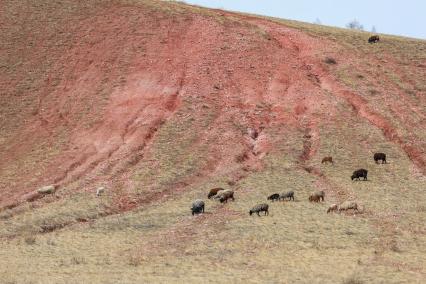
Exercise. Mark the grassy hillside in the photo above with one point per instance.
(156, 101)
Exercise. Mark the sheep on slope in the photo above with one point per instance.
(317, 196)
(289, 195)
(224, 195)
(332, 208)
(260, 208)
(214, 191)
(197, 207)
(273, 197)
(348, 205)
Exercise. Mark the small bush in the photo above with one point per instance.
(241, 158)
(394, 247)
(135, 260)
(353, 280)
(373, 92)
(30, 240)
(330, 60)
(77, 260)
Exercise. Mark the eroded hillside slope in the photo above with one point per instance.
(158, 102)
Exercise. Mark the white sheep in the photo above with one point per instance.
(100, 191)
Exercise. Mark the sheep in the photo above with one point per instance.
(197, 207)
(48, 189)
(332, 208)
(373, 39)
(289, 195)
(219, 194)
(380, 157)
(348, 205)
(359, 173)
(214, 191)
(224, 195)
(314, 198)
(227, 195)
(259, 208)
(273, 197)
(317, 196)
(100, 191)
(327, 160)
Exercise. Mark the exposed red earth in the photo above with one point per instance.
(97, 100)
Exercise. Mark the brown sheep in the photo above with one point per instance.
(332, 208)
(348, 205)
(317, 196)
(314, 198)
(223, 196)
(214, 191)
(327, 160)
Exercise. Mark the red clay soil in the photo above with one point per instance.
(122, 72)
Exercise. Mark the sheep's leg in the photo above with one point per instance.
(258, 213)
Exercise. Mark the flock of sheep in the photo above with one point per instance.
(223, 195)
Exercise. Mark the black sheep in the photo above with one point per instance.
(361, 173)
(380, 157)
(273, 197)
(373, 39)
(197, 207)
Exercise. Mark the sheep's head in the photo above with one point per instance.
(251, 212)
(352, 177)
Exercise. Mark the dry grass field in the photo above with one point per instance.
(153, 99)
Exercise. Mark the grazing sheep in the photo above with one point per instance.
(327, 160)
(361, 173)
(380, 157)
(259, 208)
(197, 207)
(219, 193)
(289, 195)
(48, 189)
(273, 197)
(332, 208)
(100, 191)
(317, 196)
(348, 205)
(373, 39)
(214, 191)
(314, 198)
(225, 195)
